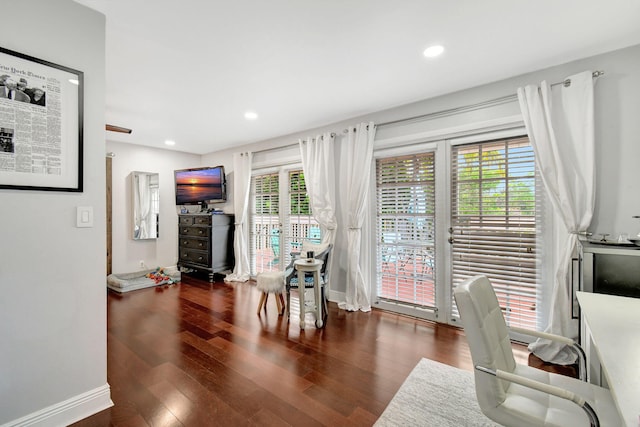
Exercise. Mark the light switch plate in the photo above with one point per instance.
(84, 216)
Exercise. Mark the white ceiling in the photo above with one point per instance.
(188, 70)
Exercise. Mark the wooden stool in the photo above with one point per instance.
(271, 282)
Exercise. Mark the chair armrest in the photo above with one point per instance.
(582, 357)
(288, 273)
(294, 257)
(545, 388)
(545, 335)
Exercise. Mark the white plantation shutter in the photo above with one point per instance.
(405, 188)
(264, 232)
(495, 215)
(281, 219)
(300, 223)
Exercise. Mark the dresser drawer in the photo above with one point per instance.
(185, 220)
(200, 244)
(194, 257)
(195, 231)
(202, 220)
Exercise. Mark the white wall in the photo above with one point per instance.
(161, 252)
(53, 364)
(617, 142)
(617, 130)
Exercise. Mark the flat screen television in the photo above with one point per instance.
(200, 186)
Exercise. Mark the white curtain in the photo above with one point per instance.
(142, 203)
(318, 163)
(241, 187)
(359, 156)
(561, 132)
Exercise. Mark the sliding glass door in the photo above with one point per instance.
(451, 211)
(265, 223)
(406, 223)
(495, 219)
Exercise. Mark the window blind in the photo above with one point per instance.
(265, 223)
(405, 188)
(495, 215)
(277, 230)
(301, 224)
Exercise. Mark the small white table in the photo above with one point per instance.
(303, 266)
(612, 326)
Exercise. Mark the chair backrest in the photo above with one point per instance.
(488, 337)
(322, 252)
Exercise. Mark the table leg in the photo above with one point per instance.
(317, 288)
(301, 293)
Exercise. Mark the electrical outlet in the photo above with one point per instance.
(142, 263)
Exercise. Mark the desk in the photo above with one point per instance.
(302, 265)
(613, 328)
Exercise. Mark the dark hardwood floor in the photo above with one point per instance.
(197, 354)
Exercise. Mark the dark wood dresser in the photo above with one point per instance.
(205, 243)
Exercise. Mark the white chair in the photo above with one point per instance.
(517, 395)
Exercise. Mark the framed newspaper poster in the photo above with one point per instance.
(40, 124)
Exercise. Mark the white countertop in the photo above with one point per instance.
(614, 323)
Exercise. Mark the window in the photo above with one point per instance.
(301, 224)
(406, 229)
(495, 218)
(279, 225)
(265, 223)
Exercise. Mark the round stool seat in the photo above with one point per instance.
(270, 281)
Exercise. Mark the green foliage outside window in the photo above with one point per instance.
(299, 198)
(486, 188)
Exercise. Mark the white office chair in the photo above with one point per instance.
(518, 395)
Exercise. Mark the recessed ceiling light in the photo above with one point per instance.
(169, 142)
(250, 115)
(433, 51)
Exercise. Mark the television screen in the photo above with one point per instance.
(200, 185)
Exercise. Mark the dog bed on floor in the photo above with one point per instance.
(126, 282)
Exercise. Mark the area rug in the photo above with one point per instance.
(436, 395)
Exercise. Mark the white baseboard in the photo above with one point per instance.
(68, 411)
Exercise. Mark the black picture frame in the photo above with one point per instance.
(41, 124)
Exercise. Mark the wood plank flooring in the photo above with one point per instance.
(196, 354)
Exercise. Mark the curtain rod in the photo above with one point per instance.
(450, 111)
(567, 82)
(455, 110)
(471, 107)
(282, 147)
